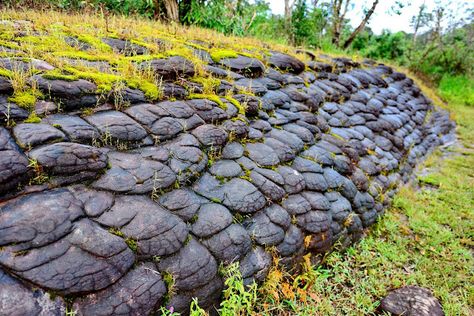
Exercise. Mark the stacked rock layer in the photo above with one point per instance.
(134, 204)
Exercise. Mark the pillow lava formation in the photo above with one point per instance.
(100, 209)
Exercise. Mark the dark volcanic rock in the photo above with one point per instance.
(249, 67)
(131, 173)
(192, 267)
(116, 125)
(29, 135)
(170, 68)
(59, 238)
(73, 126)
(5, 85)
(13, 163)
(69, 158)
(286, 62)
(124, 47)
(70, 94)
(16, 299)
(122, 205)
(411, 301)
(11, 111)
(139, 292)
(156, 231)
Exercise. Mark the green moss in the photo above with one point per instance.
(8, 44)
(211, 97)
(24, 99)
(182, 51)
(116, 232)
(103, 81)
(43, 43)
(142, 58)
(33, 118)
(95, 42)
(209, 84)
(217, 55)
(132, 244)
(241, 107)
(215, 200)
(58, 75)
(85, 56)
(151, 90)
(6, 73)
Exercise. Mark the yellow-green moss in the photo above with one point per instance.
(151, 90)
(217, 55)
(8, 44)
(24, 99)
(43, 43)
(142, 58)
(85, 56)
(94, 42)
(211, 97)
(57, 74)
(6, 73)
(209, 84)
(33, 118)
(104, 81)
(237, 104)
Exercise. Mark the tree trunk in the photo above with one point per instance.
(361, 26)
(288, 19)
(156, 9)
(172, 11)
(336, 8)
(338, 19)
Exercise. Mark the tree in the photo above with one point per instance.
(361, 26)
(172, 11)
(300, 23)
(419, 21)
(338, 17)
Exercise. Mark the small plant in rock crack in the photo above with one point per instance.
(195, 310)
(168, 311)
(238, 298)
(117, 95)
(213, 154)
(40, 176)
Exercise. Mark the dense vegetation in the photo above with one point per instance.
(440, 46)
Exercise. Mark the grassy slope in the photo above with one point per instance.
(426, 238)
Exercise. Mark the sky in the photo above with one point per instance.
(382, 19)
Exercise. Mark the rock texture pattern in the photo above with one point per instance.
(107, 199)
(411, 301)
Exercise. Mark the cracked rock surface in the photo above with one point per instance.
(120, 204)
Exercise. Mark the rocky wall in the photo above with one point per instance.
(134, 204)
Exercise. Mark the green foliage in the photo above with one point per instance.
(458, 89)
(228, 17)
(238, 299)
(387, 46)
(195, 310)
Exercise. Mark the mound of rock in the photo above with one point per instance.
(126, 209)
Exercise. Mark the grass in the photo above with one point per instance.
(459, 89)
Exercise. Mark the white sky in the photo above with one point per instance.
(381, 19)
